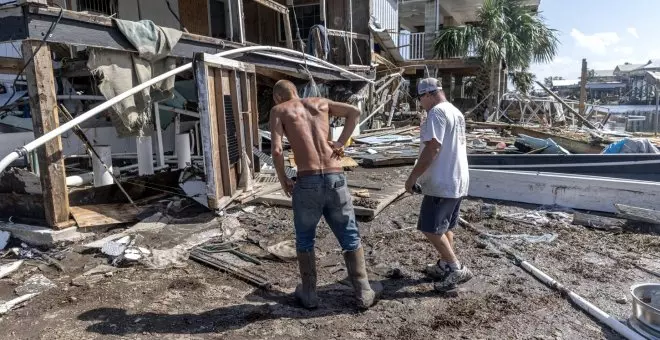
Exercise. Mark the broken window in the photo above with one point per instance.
(305, 16)
(103, 7)
(219, 19)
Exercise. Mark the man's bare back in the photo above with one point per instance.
(305, 123)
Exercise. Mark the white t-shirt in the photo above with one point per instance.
(448, 176)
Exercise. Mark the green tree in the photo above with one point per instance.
(509, 34)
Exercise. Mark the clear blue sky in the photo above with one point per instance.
(605, 32)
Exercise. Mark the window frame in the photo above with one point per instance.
(280, 28)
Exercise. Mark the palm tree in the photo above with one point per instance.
(508, 32)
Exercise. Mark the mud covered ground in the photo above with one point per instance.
(501, 302)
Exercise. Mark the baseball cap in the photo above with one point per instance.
(427, 85)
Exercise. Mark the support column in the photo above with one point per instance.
(101, 175)
(43, 107)
(182, 149)
(145, 155)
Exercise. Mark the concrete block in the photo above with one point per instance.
(42, 236)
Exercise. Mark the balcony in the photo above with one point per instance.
(419, 46)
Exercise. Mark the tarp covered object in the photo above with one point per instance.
(120, 71)
(631, 145)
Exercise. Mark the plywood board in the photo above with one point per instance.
(104, 214)
(346, 162)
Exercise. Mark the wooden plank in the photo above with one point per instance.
(597, 222)
(256, 140)
(10, 65)
(384, 199)
(104, 214)
(246, 113)
(222, 131)
(208, 130)
(194, 16)
(77, 28)
(43, 105)
(226, 63)
(287, 30)
(363, 185)
(571, 191)
(237, 106)
(638, 214)
(273, 5)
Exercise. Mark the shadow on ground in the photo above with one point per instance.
(335, 298)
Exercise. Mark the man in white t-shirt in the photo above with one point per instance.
(442, 174)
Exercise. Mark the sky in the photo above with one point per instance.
(605, 32)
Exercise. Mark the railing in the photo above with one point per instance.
(411, 45)
(386, 13)
(419, 46)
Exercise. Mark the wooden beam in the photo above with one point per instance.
(209, 131)
(246, 114)
(568, 107)
(10, 65)
(43, 105)
(77, 28)
(256, 140)
(444, 64)
(237, 106)
(340, 33)
(273, 5)
(221, 121)
(287, 30)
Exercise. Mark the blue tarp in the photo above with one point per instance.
(631, 145)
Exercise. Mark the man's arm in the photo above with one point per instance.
(351, 115)
(431, 151)
(432, 132)
(276, 134)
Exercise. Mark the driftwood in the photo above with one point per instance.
(598, 222)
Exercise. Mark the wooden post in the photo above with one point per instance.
(208, 131)
(287, 30)
(583, 89)
(246, 108)
(43, 107)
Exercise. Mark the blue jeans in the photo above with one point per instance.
(325, 195)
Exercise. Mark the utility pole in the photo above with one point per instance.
(583, 90)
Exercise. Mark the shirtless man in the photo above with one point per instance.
(320, 187)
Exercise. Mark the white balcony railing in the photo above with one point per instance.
(419, 46)
(411, 45)
(386, 15)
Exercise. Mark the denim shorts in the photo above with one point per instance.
(438, 215)
(324, 195)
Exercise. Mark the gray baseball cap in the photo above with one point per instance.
(427, 85)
